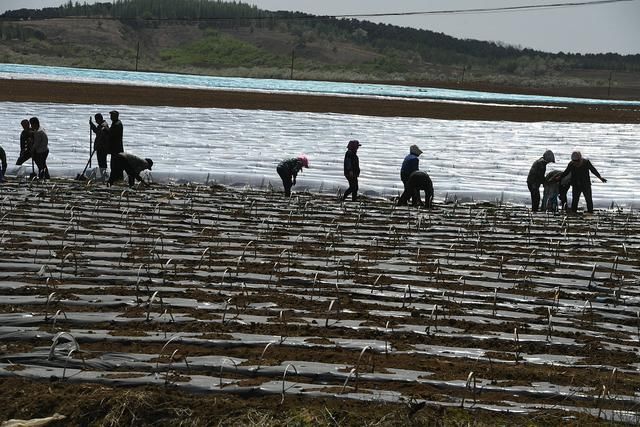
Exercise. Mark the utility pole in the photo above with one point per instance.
(137, 55)
(609, 89)
(293, 54)
(464, 69)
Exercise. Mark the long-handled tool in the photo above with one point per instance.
(81, 176)
(33, 170)
(90, 144)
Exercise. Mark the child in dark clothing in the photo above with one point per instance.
(555, 188)
(352, 169)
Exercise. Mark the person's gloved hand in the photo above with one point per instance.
(603, 179)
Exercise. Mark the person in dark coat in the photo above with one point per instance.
(536, 177)
(40, 148)
(288, 170)
(352, 169)
(115, 141)
(579, 168)
(132, 165)
(3, 164)
(417, 181)
(26, 142)
(101, 144)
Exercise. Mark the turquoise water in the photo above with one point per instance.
(17, 71)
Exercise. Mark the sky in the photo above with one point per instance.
(602, 28)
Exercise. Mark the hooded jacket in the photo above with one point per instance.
(579, 171)
(115, 137)
(410, 164)
(537, 172)
(40, 142)
(351, 164)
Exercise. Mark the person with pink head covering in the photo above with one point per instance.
(352, 169)
(288, 170)
(579, 168)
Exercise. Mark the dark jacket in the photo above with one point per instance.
(351, 164)
(290, 167)
(102, 135)
(115, 138)
(129, 163)
(580, 173)
(40, 142)
(3, 159)
(417, 181)
(537, 171)
(26, 143)
(410, 164)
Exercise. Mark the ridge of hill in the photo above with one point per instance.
(236, 39)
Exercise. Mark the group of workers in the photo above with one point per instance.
(412, 177)
(34, 144)
(556, 183)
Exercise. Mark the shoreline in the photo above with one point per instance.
(12, 90)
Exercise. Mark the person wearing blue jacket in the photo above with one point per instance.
(410, 164)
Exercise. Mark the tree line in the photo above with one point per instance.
(425, 45)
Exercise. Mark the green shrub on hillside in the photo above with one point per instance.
(216, 50)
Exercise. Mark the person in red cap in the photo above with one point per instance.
(288, 170)
(352, 169)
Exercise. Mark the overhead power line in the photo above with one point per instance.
(309, 17)
(484, 9)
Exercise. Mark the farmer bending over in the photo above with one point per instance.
(288, 170)
(130, 164)
(417, 181)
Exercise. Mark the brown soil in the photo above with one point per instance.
(288, 311)
(63, 92)
(93, 404)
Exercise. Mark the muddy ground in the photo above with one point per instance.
(201, 305)
(65, 92)
(187, 304)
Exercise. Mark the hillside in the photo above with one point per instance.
(233, 39)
